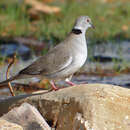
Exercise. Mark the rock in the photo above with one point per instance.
(82, 107)
(28, 117)
(5, 125)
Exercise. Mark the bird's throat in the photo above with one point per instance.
(76, 31)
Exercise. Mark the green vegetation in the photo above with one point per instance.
(110, 18)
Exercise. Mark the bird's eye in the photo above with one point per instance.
(88, 20)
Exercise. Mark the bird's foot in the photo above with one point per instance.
(53, 86)
(70, 83)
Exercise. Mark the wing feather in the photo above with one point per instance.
(54, 61)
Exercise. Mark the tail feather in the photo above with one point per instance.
(10, 79)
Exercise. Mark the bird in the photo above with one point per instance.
(62, 61)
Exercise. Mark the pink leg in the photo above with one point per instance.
(53, 85)
(70, 83)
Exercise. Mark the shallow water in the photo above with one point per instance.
(119, 50)
(8, 49)
(121, 80)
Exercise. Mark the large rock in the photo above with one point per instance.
(83, 107)
(5, 125)
(28, 117)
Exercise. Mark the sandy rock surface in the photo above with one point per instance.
(88, 106)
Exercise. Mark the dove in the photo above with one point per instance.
(62, 61)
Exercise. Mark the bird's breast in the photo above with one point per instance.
(79, 54)
(77, 48)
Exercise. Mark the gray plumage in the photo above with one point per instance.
(64, 59)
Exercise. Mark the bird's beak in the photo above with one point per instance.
(92, 26)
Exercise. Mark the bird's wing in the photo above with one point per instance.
(54, 61)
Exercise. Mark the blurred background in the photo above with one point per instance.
(30, 28)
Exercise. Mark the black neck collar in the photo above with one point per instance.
(76, 31)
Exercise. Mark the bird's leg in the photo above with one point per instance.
(67, 80)
(53, 85)
(70, 83)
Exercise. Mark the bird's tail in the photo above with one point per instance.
(11, 79)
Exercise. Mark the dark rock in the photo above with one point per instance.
(101, 58)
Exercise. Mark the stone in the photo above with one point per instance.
(6, 125)
(84, 107)
(28, 117)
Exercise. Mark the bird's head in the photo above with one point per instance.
(83, 23)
